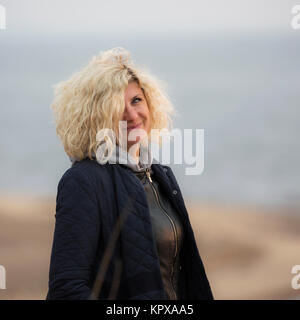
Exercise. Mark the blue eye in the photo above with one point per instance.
(136, 99)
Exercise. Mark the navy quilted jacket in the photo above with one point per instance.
(89, 200)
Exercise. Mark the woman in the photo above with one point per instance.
(122, 230)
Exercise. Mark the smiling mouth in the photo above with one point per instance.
(134, 127)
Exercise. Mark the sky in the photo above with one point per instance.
(144, 15)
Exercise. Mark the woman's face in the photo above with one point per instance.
(136, 112)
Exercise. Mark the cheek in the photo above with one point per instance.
(146, 115)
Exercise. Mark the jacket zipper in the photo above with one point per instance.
(172, 223)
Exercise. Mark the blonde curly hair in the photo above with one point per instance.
(93, 99)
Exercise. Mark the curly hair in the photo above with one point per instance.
(93, 99)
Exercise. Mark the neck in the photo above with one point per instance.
(134, 151)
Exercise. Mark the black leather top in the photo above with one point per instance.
(168, 232)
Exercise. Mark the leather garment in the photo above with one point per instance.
(168, 232)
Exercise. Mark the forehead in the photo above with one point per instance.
(132, 90)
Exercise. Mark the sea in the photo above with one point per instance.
(243, 89)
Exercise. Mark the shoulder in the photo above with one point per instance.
(88, 168)
(84, 173)
(158, 167)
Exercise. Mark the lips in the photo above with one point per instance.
(135, 127)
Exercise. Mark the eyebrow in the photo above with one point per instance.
(136, 96)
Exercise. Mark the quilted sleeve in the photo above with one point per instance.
(75, 238)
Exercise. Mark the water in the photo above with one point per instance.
(243, 90)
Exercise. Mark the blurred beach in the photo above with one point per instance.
(248, 252)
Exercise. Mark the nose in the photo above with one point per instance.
(130, 114)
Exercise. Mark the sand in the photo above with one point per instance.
(248, 252)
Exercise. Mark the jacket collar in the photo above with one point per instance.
(121, 156)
